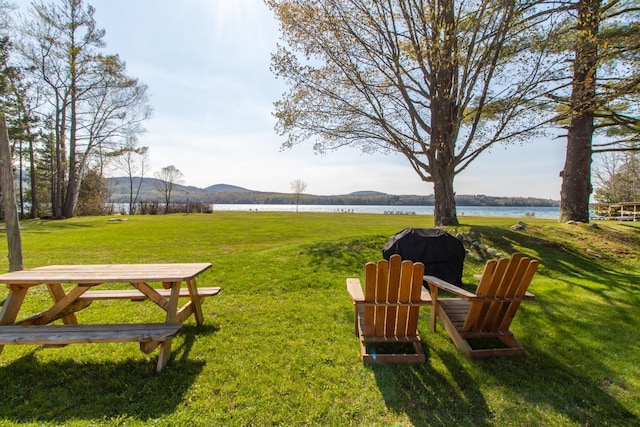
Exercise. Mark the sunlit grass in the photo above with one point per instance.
(278, 348)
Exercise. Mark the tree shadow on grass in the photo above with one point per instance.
(428, 398)
(542, 382)
(51, 225)
(618, 287)
(66, 390)
(346, 254)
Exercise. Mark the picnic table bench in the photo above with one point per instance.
(37, 329)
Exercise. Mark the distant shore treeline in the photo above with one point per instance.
(227, 194)
(372, 199)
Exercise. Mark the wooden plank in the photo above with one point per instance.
(371, 271)
(148, 346)
(57, 293)
(12, 304)
(354, 288)
(60, 308)
(195, 303)
(416, 289)
(392, 339)
(382, 275)
(64, 314)
(152, 294)
(355, 291)
(172, 316)
(404, 297)
(436, 283)
(184, 312)
(393, 286)
(105, 273)
(73, 334)
(136, 295)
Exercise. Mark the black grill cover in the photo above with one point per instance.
(440, 252)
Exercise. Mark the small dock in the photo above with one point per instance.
(625, 211)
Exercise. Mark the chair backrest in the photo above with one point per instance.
(392, 286)
(502, 279)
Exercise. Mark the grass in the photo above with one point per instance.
(278, 348)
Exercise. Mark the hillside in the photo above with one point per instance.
(231, 194)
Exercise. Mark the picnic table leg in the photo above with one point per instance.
(12, 305)
(57, 293)
(196, 301)
(165, 348)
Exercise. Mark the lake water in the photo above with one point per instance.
(504, 211)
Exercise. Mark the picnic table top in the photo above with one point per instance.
(105, 273)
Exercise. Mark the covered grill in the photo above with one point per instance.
(440, 252)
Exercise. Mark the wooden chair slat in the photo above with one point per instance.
(380, 285)
(416, 288)
(392, 321)
(371, 272)
(404, 296)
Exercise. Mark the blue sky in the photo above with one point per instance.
(206, 63)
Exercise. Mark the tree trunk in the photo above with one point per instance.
(576, 176)
(444, 118)
(34, 180)
(10, 209)
(58, 186)
(441, 161)
(71, 195)
(444, 212)
(131, 212)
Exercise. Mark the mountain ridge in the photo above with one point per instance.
(151, 190)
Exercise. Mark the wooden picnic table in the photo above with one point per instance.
(36, 329)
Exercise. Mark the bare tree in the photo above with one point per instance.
(298, 186)
(616, 176)
(169, 177)
(133, 161)
(438, 82)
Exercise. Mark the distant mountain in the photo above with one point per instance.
(151, 190)
(220, 188)
(366, 193)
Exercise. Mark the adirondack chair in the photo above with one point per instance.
(487, 313)
(387, 311)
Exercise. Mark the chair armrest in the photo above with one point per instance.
(446, 286)
(425, 296)
(355, 290)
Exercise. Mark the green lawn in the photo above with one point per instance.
(278, 348)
